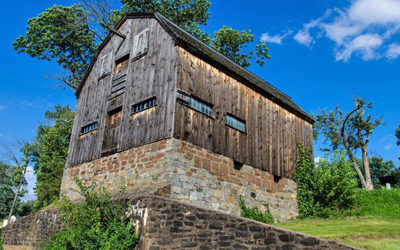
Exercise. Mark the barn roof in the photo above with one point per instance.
(215, 58)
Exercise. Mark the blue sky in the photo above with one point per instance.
(323, 53)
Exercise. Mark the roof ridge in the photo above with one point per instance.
(210, 47)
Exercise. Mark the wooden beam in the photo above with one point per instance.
(116, 32)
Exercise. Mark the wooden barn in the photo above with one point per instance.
(158, 106)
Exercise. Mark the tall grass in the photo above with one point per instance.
(382, 203)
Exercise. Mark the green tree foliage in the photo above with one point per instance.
(233, 43)
(335, 185)
(254, 213)
(188, 14)
(325, 190)
(70, 35)
(62, 34)
(305, 179)
(9, 177)
(25, 208)
(381, 169)
(96, 223)
(48, 152)
(350, 131)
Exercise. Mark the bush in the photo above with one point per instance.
(335, 186)
(96, 223)
(305, 179)
(326, 190)
(254, 213)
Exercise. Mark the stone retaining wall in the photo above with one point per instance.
(28, 232)
(175, 225)
(168, 224)
(196, 175)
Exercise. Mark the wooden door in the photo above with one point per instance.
(111, 132)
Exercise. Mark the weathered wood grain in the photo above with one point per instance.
(272, 132)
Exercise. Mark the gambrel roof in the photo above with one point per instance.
(213, 57)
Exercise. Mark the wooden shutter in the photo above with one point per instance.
(106, 63)
(141, 43)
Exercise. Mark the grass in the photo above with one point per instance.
(376, 225)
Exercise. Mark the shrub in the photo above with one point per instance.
(305, 179)
(254, 213)
(335, 186)
(325, 190)
(96, 223)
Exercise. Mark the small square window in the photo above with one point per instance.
(89, 128)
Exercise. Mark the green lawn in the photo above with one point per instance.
(377, 226)
(363, 232)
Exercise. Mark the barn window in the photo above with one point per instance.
(121, 65)
(89, 128)
(235, 123)
(144, 105)
(200, 106)
(141, 44)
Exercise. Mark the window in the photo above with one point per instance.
(235, 123)
(121, 65)
(144, 105)
(200, 106)
(141, 44)
(89, 128)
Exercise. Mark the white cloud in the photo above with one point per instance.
(387, 147)
(26, 103)
(317, 159)
(2, 107)
(365, 45)
(394, 51)
(364, 29)
(266, 37)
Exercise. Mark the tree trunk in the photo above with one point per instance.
(359, 173)
(368, 179)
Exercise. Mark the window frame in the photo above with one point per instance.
(201, 102)
(144, 101)
(96, 123)
(244, 131)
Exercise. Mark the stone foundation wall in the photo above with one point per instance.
(28, 232)
(196, 175)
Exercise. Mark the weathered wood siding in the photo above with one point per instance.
(151, 75)
(272, 133)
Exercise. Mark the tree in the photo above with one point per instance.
(62, 34)
(8, 184)
(351, 132)
(232, 43)
(383, 171)
(14, 177)
(70, 35)
(48, 152)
